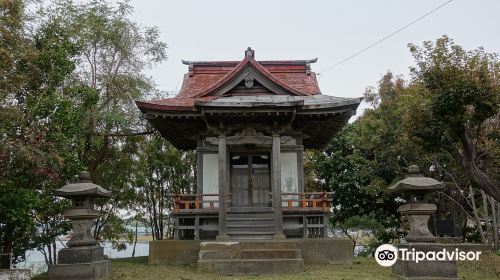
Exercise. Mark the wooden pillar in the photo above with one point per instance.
(197, 228)
(276, 184)
(177, 231)
(304, 225)
(223, 187)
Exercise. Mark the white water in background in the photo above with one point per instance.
(36, 262)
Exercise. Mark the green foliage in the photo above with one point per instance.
(114, 51)
(66, 103)
(358, 180)
(461, 85)
(453, 105)
(161, 170)
(39, 129)
(115, 232)
(368, 156)
(445, 120)
(356, 227)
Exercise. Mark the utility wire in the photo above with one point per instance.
(383, 39)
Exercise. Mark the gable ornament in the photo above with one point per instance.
(249, 79)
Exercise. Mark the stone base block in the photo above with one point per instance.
(314, 250)
(327, 251)
(80, 271)
(406, 269)
(174, 252)
(86, 254)
(251, 266)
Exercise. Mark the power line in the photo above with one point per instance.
(383, 39)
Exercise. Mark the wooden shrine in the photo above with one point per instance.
(249, 122)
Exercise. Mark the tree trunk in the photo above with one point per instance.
(135, 241)
(8, 239)
(44, 253)
(494, 215)
(476, 216)
(49, 249)
(477, 176)
(486, 216)
(151, 226)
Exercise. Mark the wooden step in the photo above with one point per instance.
(243, 237)
(232, 218)
(233, 225)
(250, 226)
(250, 232)
(249, 210)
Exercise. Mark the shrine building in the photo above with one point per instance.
(250, 122)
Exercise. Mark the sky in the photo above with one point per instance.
(329, 30)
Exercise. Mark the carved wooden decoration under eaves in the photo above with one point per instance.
(249, 136)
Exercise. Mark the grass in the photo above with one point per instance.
(139, 269)
(362, 268)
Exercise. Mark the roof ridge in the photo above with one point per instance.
(236, 62)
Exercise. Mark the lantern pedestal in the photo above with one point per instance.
(85, 254)
(80, 271)
(418, 216)
(410, 269)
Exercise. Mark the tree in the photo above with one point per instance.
(40, 116)
(356, 227)
(458, 98)
(372, 153)
(67, 89)
(452, 96)
(359, 181)
(115, 51)
(162, 170)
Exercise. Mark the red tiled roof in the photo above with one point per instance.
(205, 77)
(289, 73)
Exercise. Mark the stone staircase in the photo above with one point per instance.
(250, 224)
(250, 257)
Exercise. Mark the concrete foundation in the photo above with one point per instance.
(80, 271)
(174, 252)
(327, 251)
(313, 250)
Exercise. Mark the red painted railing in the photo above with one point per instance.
(290, 201)
(194, 201)
(308, 200)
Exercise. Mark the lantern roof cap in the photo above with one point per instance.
(83, 187)
(415, 181)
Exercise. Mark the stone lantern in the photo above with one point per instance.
(84, 258)
(418, 190)
(418, 209)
